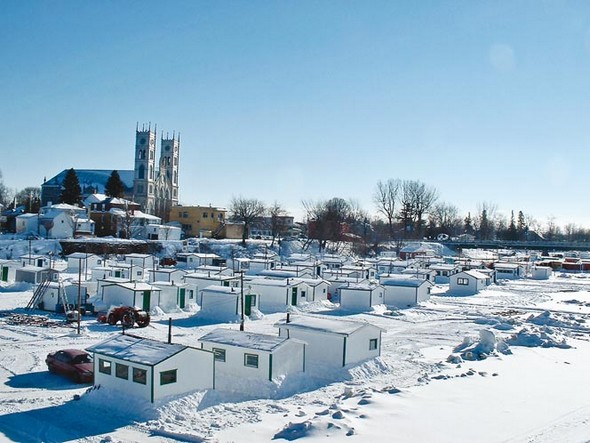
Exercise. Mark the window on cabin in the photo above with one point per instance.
(168, 377)
(219, 354)
(372, 344)
(140, 376)
(463, 281)
(121, 371)
(251, 360)
(104, 366)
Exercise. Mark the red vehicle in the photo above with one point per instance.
(73, 363)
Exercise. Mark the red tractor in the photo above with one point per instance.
(127, 315)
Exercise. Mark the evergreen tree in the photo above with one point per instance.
(512, 233)
(71, 191)
(468, 227)
(521, 227)
(114, 186)
(484, 226)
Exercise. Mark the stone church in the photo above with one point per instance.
(153, 183)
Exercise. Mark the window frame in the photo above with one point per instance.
(119, 372)
(219, 354)
(173, 377)
(247, 356)
(373, 344)
(139, 375)
(103, 368)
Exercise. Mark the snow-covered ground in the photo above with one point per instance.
(507, 365)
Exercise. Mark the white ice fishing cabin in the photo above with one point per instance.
(405, 291)
(224, 304)
(142, 368)
(468, 282)
(243, 355)
(138, 294)
(332, 342)
(361, 297)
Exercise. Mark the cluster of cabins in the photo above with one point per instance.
(225, 292)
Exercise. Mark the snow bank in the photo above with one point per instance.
(543, 338)
(487, 345)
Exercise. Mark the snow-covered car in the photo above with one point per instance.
(73, 363)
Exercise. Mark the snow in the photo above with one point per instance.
(506, 365)
(243, 339)
(136, 349)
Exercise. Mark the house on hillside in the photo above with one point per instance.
(404, 291)
(332, 342)
(63, 221)
(243, 355)
(145, 369)
(361, 297)
(468, 282)
(27, 223)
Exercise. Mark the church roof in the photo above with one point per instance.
(95, 178)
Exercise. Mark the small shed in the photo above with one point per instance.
(223, 303)
(404, 291)
(41, 261)
(8, 270)
(83, 261)
(332, 342)
(138, 294)
(541, 272)
(173, 296)
(277, 295)
(243, 355)
(149, 370)
(361, 297)
(509, 271)
(35, 274)
(444, 271)
(170, 275)
(468, 282)
(145, 261)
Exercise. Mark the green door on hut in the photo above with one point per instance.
(146, 301)
(181, 298)
(4, 273)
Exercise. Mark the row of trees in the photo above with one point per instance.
(407, 209)
(30, 197)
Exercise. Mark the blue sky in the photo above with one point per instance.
(308, 100)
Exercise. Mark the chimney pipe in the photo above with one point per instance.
(170, 330)
(288, 317)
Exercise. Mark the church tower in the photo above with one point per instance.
(145, 167)
(167, 183)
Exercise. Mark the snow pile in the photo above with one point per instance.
(499, 323)
(546, 318)
(531, 338)
(486, 346)
(294, 431)
(114, 403)
(15, 287)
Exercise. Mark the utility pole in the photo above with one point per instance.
(242, 300)
(79, 294)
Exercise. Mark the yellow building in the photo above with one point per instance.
(199, 221)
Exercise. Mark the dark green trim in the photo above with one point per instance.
(379, 344)
(344, 352)
(269, 367)
(304, 358)
(152, 384)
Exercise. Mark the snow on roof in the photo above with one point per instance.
(207, 276)
(275, 282)
(27, 215)
(323, 324)
(404, 281)
(222, 289)
(80, 255)
(97, 178)
(360, 287)
(136, 286)
(475, 274)
(136, 349)
(506, 265)
(167, 270)
(248, 340)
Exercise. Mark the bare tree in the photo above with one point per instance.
(420, 198)
(326, 220)
(444, 218)
(385, 197)
(5, 193)
(246, 210)
(29, 197)
(277, 220)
